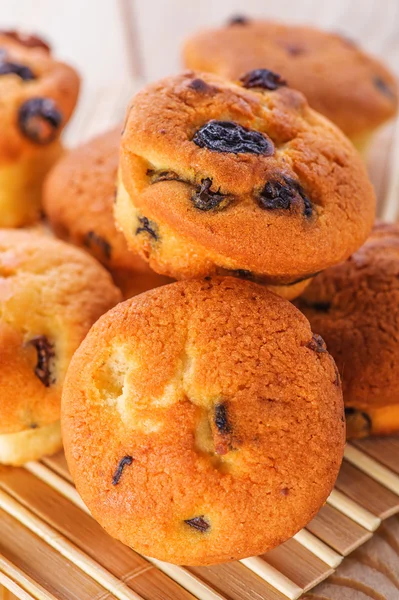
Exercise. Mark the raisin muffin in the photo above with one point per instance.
(202, 421)
(355, 307)
(38, 95)
(219, 178)
(50, 295)
(79, 195)
(354, 90)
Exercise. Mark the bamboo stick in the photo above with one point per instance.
(318, 548)
(353, 510)
(181, 576)
(372, 468)
(273, 577)
(66, 549)
(21, 584)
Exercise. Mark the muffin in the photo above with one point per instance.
(50, 295)
(202, 421)
(355, 307)
(246, 180)
(38, 97)
(351, 88)
(78, 199)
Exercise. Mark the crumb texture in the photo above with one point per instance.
(353, 89)
(50, 295)
(217, 177)
(223, 428)
(355, 307)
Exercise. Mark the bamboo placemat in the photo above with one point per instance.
(51, 548)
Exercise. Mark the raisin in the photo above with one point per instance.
(284, 491)
(243, 274)
(30, 41)
(383, 87)
(45, 352)
(262, 78)
(24, 72)
(323, 307)
(204, 199)
(39, 120)
(147, 226)
(227, 136)
(317, 344)
(199, 85)
(157, 176)
(221, 429)
(358, 423)
(238, 20)
(294, 50)
(221, 421)
(93, 239)
(198, 523)
(281, 195)
(126, 461)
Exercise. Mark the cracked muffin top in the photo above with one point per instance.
(50, 295)
(203, 421)
(38, 94)
(355, 307)
(353, 89)
(246, 175)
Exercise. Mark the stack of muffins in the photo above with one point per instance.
(203, 421)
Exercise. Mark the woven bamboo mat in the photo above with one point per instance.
(51, 548)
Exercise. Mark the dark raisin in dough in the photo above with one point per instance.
(198, 523)
(93, 239)
(157, 176)
(24, 72)
(126, 461)
(227, 136)
(221, 420)
(383, 87)
(294, 50)
(199, 85)
(358, 423)
(238, 20)
(30, 41)
(147, 226)
(39, 120)
(317, 344)
(281, 195)
(45, 352)
(262, 78)
(323, 307)
(243, 274)
(204, 199)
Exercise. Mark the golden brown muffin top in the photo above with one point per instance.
(79, 194)
(354, 90)
(355, 307)
(50, 295)
(38, 95)
(252, 174)
(203, 421)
